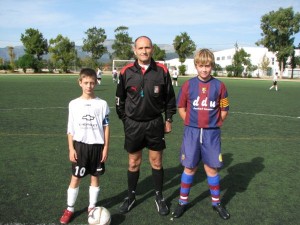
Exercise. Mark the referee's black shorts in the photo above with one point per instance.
(88, 160)
(144, 134)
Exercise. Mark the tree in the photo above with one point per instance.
(159, 54)
(278, 29)
(5, 66)
(184, 46)
(26, 61)
(63, 52)
(87, 62)
(217, 68)
(35, 44)
(94, 44)
(294, 61)
(122, 45)
(264, 64)
(250, 69)
(49, 64)
(12, 56)
(240, 62)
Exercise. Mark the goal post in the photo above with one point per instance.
(119, 63)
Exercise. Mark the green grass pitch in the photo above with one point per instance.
(260, 144)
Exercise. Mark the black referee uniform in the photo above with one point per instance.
(141, 99)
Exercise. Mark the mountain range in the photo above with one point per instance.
(19, 51)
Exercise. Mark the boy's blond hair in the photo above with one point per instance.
(204, 56)
(87, 72)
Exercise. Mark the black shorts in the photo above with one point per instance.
(88, 160)
(141, 134)
(274, 82)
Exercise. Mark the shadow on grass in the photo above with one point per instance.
(145, 190)
(239, 177)
(237, 180)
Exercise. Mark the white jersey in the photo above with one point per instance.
(99, 73)
(175, 74)
(86, 120)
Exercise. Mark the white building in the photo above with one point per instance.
(189, 65)
(224, 58)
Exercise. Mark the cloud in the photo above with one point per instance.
(25, 14)
(162, 20)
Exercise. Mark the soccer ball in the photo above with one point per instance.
(99, 216)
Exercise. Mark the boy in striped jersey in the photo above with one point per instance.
(203, 105)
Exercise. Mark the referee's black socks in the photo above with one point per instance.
(158, 179)
(132, 178)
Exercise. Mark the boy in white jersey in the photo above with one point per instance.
(88, 140)
(275, 78)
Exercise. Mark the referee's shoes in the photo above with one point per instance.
(161, 205)
(127, 204)
(160, 202)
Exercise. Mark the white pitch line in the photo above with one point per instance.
(261, 114)
(246, 113)
(46, 134)
(40, 108)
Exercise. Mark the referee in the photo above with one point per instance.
(145, 92)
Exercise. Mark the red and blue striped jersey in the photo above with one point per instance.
(204, 102)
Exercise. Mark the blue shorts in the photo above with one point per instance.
(201, 145)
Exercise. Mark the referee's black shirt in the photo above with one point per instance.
(143, 97)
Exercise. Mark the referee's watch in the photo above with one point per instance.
(169, 120)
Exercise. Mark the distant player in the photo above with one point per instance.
(88, 139)
(203, 105)
(175, 76)
(275, 79)
(115, 75)
(99, 75)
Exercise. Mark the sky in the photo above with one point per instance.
(215, 24)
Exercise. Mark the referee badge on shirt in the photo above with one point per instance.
(156, 89)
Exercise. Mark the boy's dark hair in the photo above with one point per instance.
(87, 72)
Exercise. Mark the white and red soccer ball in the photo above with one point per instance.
(99, 216)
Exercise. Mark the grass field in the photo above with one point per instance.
(260, 142)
